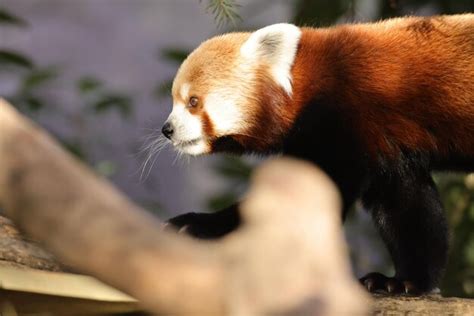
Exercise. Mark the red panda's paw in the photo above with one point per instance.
(378, 283)
(200, 225)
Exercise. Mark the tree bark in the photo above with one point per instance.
(421, 306)
(16, 250)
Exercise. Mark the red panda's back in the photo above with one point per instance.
(436, 91)
(405, 82)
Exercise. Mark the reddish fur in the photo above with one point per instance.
(207, 125)
(212, 61)
(269, 113)
(409, 85)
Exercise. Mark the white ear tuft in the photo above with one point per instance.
(276, 45)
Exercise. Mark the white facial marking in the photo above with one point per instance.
(184, 91)
(197, 148)
(224, 111)
(277, 45)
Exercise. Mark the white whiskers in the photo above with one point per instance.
(153, 145)
(181, 158)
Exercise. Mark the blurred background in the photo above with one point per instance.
(97, 75)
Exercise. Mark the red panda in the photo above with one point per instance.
(377, 106)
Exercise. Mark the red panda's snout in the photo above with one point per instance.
(185, 131)
(220, 90)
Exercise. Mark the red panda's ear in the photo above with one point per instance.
(276, 46)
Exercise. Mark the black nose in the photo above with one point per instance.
(167, 130)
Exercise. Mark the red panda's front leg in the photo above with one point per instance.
(207, 225)
(408, 213)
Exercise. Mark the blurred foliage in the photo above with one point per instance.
(224, 11)
(87, 85)
(236, 171)
(27, 96)
(12, 58)
(100, 99)
(457, 193)
(121, 103)
(31, 81)
(30, 77)
(234, 168)
(9, 18)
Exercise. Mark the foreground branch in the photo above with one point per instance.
(287, 258)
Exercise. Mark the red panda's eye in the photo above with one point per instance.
(193, 102)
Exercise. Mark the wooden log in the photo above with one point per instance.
(17, 250)
(429, 305)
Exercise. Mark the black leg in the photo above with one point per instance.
(208, 225)
(410, 218)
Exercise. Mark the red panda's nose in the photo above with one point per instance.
(167, 130)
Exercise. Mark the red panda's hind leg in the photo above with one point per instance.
(375, 282)
(407, 211)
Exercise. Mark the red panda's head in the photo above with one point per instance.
(230, 93)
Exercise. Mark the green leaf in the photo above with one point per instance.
(106, 168)
(224, 11)
(114, 101)
(8, 18)
(175, 55)
(74, 148)
(88, 84)
(33, 103)
(38, 77)
(8, 57)
(221, 201)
